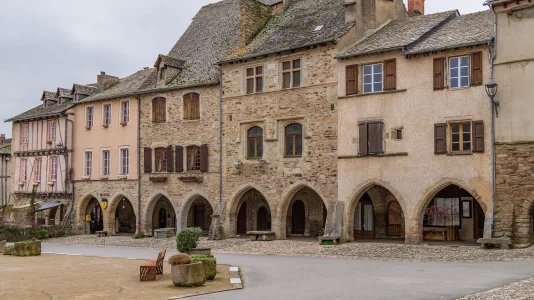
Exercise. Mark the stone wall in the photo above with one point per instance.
(514, 192)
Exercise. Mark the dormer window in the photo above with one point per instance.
(45, 103)
(162, 73)
(60, 100)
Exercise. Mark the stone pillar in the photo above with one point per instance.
(215, 232)
(414, 232)
(278, 227)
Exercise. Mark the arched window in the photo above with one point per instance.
(293, 139)
(191, 106)
(161, 160)
(193, 158)
(159, 110)
(255, 143)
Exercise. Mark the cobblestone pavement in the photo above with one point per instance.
(306, 247)
(522, 290)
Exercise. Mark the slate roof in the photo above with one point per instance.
(64, 93)
(270, 2)
(49, 96)
(398, 34)
(5, 148)
(169, 61)
(126, 86)
(467, 30)
(42, 112)
(83, 89)
(294, 28)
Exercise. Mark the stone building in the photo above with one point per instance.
(414, 147)
(514, 129)
(6, 170)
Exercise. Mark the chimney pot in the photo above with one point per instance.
(416, 7)
(2, 138)
(102, 73)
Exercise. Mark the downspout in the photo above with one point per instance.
(69, 176)
(138, 162)
(220, 143)
(494, 113)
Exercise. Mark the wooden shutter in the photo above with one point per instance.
(478, 134)
(390, 75)
(148, 159)
(187, 107)
(204, 158)
(362, 149)
(476, 68)
(154, 110)
(170, 161)
(351, 75)
(440, 138)
(195, 106)
(162, 110)
(375, 138)
(439, 73)
(179, 159)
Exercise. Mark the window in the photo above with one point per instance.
(88, 164)
(397, 134)
(124, 161)
(161, 160)
(255, 143)
(372, 78)
(37, 169)
(125, 111)
(23, 170)
(293, 139)
(162, 73)
(89, 116)
(107, 115)
(443, 212)
(45, 104)
(159, 110)
(459, 72)
(370, 138)
(105, 162)
(25, 133)
(460, 137)
(191, 106)
(51, 130)
(193, 158)
(291, 74)
(53, 168)
(60, 100)
(254, 80)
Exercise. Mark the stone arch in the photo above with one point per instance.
(81, 208)
(235, 204)
(113, 205)
(288, 200)
(154, 198)
(187, 205)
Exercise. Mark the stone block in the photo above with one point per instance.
(9, 250)
(2, 245)
(31, 248)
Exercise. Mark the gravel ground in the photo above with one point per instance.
(362, 250)
(521, 290)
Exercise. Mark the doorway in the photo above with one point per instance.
(264, 224)
(162, 218)
(199, 213)
(298, 220)
(242, 219)
(364, 223)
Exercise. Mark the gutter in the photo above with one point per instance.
(138, 163)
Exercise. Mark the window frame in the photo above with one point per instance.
(373, 74)
(106, 121)
(105, 166)
(461, 133)
(294, 141)
(125, 117)
(193, 166)
(88, 163)
(255, 77)
(162, 73)
(51, 134)
(156, 106)
(23, 170)
(37, 163)
(291, 71)
(160, 155)
(90, 117)
(25, 133)
(189, 98)
(256, 138)
(52, 176)
(121, 161)
(459, 77)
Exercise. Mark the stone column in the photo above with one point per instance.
(414, 231)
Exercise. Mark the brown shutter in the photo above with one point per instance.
(476, 68)
(187, 109)
(154, 110)
(204, 158)
(375, 138)
(195, 106)
(362, 149)
(179, 159)
(390, 75)
(163, 110)
(148, 160)
(439, 73)
(351, 75)
(478, 134)
(440, 138)
(170, 161)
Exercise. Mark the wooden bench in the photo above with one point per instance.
(102, 233)
(264, 235)
(434, 233)
(150, 269)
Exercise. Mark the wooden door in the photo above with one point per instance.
(298, 218)
(242, 219)
(394, 219)
(364, 223)
(198, 217)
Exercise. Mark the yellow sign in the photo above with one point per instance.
(87, 218)
(104, 203)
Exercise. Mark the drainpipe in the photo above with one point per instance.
(138, 162)
(67, 170)
(220, 143)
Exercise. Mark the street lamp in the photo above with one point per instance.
(491, 90)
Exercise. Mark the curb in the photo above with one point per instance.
(235, 278)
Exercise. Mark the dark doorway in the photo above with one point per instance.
(264, 224)
(480, 219)
(325, 214)
(298, 213)
(97, 218)
(199, 213)
(125, 217)
(394, 219)
(242, 219)
(364, 223)
(162, 218)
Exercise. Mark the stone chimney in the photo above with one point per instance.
(2, 139)
(104, 81)
(416, 7)
(252, 16)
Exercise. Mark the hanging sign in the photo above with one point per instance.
(104, 203)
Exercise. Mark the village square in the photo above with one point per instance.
(275, 149)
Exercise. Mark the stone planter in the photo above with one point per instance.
(2, 245)
(200, 251)
(210, 268)
(32, 248)
(9, 250)
(188, 275)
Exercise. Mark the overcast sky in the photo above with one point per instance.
(46, 44)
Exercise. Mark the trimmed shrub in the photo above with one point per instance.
(188, 239)
(210, 265)
(180, 259)
(41, 234)
(140, 235)
(202, 257)
(14, 233)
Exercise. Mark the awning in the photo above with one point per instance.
(48, 205)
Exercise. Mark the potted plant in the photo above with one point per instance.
(49, 142)
(187, 240)
(124, 123)
(210, 265)
(88, 127)
(105, 125)
(185, 272)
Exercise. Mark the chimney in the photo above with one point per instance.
(252, 16)
(2, 139)
(416, 7)
(104, 81)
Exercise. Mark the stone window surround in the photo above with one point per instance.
(291, 57)
(243, 71)
(165, 145)
(254, 77)
(461, 119)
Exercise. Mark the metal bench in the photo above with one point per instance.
(102, 233)
(150, 269)
(264, 235)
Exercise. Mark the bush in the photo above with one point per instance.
(14, 233)
(202, 257)
(327, 243)
(180, 259)
(41, 234)
(140, 235)
(188, 239)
